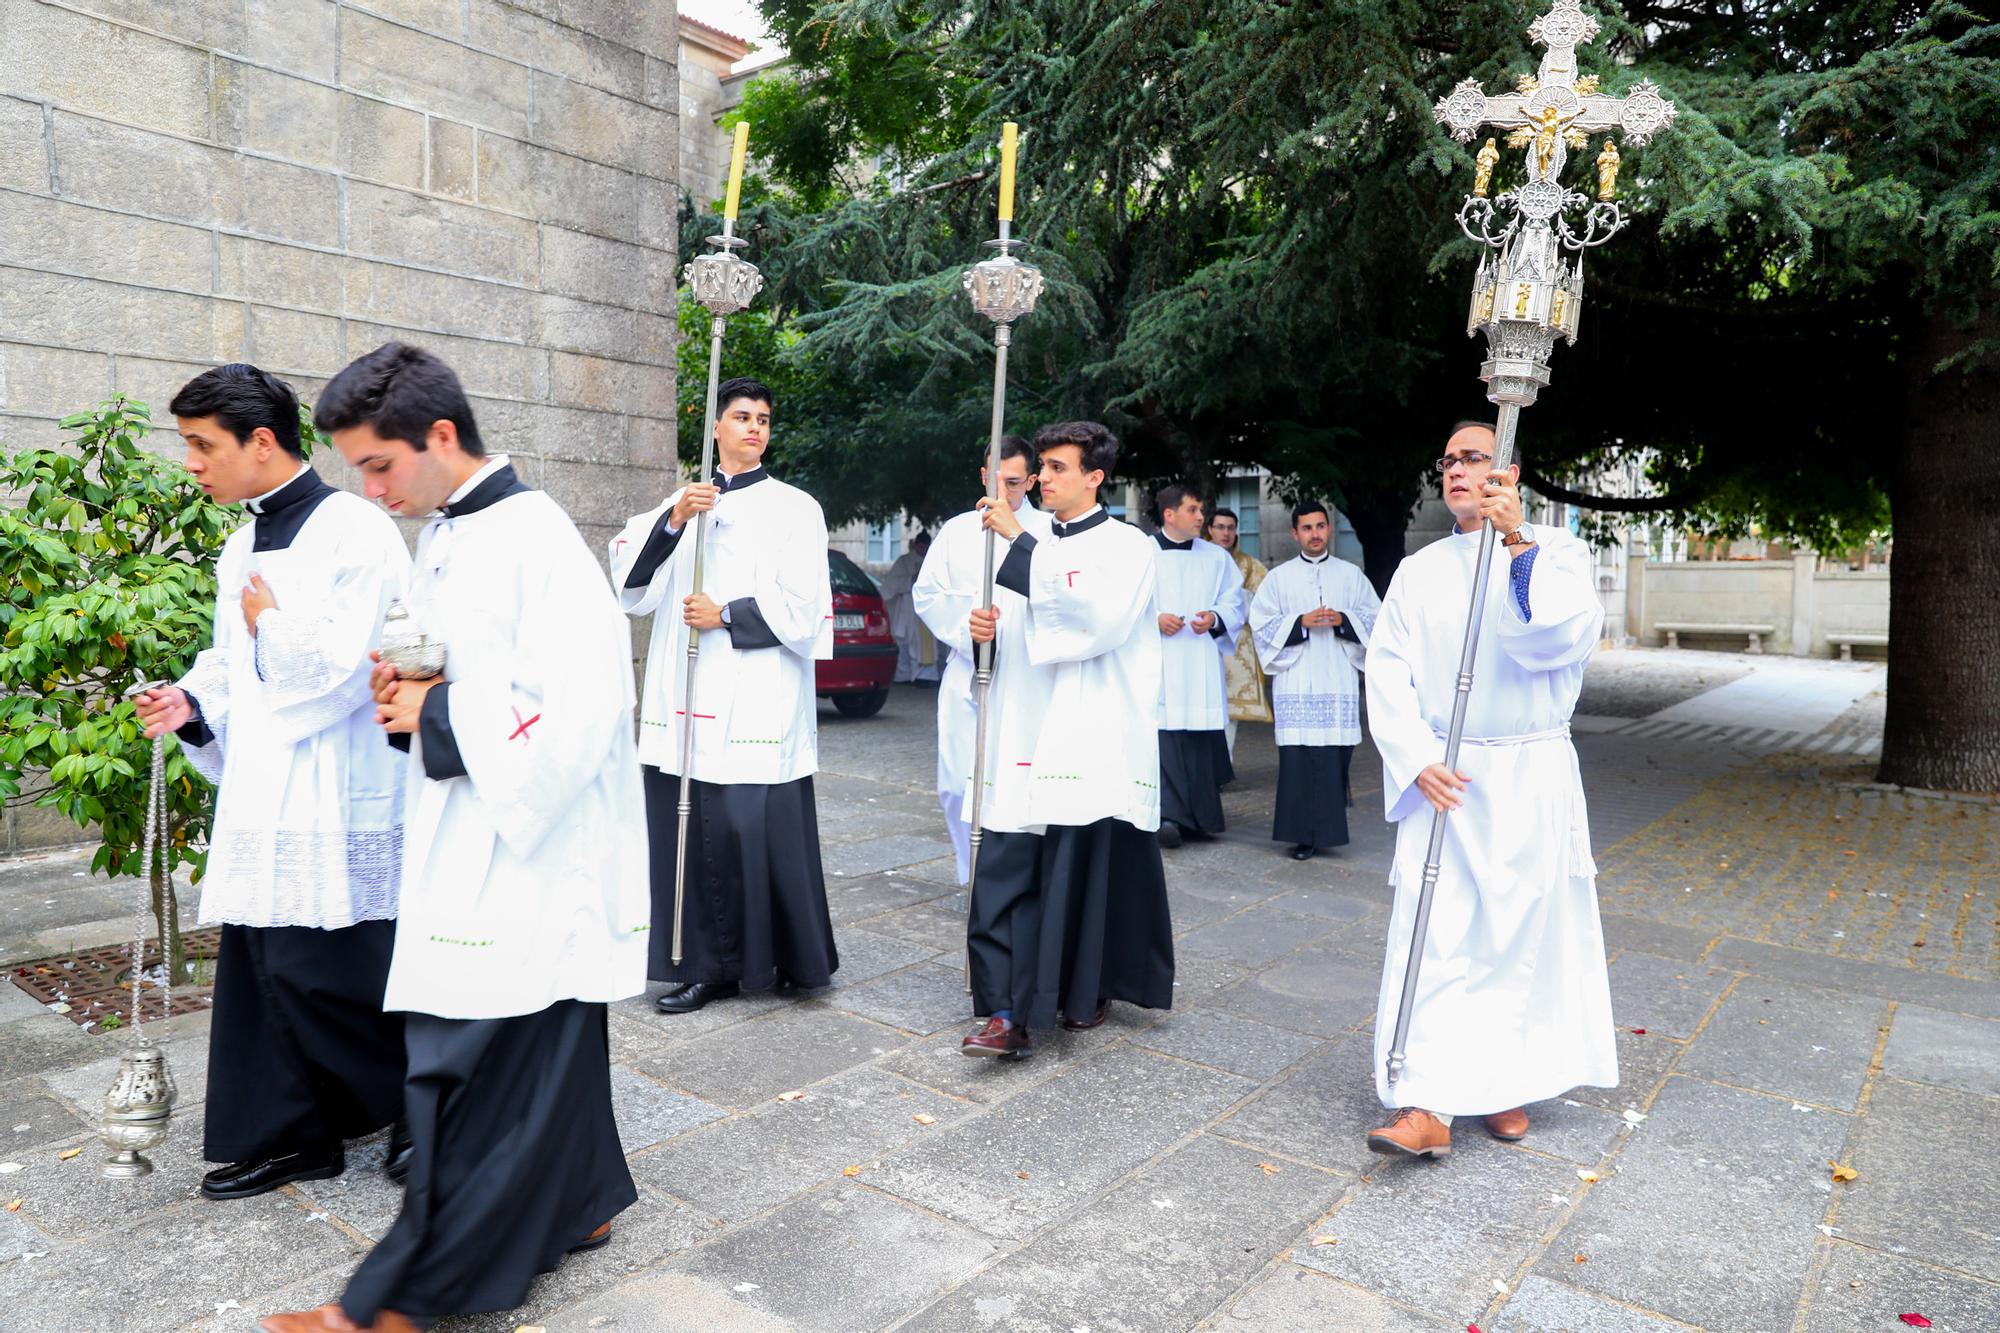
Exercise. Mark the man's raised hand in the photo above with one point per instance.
(985, 624)
(999, 518)
(697, 498)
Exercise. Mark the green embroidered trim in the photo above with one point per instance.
(1058, 777)
(639, 930)
(734, 741)
(1149, 786)
(466, 944)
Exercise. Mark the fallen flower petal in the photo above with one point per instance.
(1843, 1174)
(794, 1096)
(1913, 1320)
(15, 1206)
(1583, 1258)
(1268, 1168)
(1326, 1240)
(1587, 1177)
(850, 1171)
(924, 1119)
(68, 1153)
(1638, 1032)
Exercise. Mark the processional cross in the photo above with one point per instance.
(1525, 294)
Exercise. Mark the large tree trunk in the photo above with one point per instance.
(1382, 528)
(1944, 618)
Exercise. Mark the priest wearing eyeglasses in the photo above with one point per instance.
(1513, 1002)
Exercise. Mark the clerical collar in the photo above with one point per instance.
(492, 483)
(276, 498)
(282, 512)
(736, 483)
(1319, 559)
(1098, 514)
(1166, 545)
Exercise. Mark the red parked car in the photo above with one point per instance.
(864, 655)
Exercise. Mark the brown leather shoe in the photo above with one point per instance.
(333, 1319)
(1412, 1133)
(1085, 1024)
(596, 1240)
(1509, 1125)
(1001, 1039)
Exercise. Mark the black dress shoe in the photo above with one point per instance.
(693, 996)
(1084, 1024)
(401, 1149)
(1305, 851)
(1170, 833)
(246, 1180)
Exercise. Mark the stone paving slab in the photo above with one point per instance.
(1020, 1166)
(844, 1255)
(1295, 1300)
(1222, 1041)
(1930, 1178)
(1945, 1050)
(1862, 1291)
(1806, 1043)
(1710, 1213)
(1665, 996)
(1543, 1306)
(1160, 1251)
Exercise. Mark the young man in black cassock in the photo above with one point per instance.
(754, 912)
(306, 849)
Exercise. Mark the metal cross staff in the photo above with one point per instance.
(1003, 289)
(1524, 295)
(724, 284)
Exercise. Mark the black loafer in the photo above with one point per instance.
(246, 1180)
(1170, 834)
(401, 1149)
(692, 997)
(1304, 852)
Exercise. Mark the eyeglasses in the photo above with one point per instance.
(1471, 459)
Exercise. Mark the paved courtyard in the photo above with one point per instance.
(1805, 969)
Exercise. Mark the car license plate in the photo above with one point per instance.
(849, 620)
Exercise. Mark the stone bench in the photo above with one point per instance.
(1674, 629)
(1847, 642)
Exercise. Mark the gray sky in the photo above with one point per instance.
(733, 16)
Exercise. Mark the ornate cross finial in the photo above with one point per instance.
(1555, 110)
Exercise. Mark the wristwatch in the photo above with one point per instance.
(1521, 536)
(725, 613)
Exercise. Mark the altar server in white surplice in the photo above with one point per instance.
(1200, 595)
(306, 850)
(525, 904)
(1312, 617)
(1069, 908)
(1513, 1002)
(754, 915)
(947, 591)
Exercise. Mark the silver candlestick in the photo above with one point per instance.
(1525, 295)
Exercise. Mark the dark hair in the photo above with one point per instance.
(1466, 423)
(1017, 446)
(243, 398)
(1224, 511)
(1096, 443)
(399, 390)
(743, 386)
(1174, 495)
(1304, 507)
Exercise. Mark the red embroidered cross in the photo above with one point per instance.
(522, 730)
(618, 545)
(699, 717)
(1071, 576)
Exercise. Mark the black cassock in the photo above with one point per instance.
(516, 1162)
(755, 907)
(1312, 795)
(300, 1054)
(1194, 766)
(1066, 919)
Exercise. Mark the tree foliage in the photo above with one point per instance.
(107, 580)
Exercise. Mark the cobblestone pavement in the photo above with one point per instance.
(1804, 969)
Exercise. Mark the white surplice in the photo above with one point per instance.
(1194, 692)
(946, 592)
(525, 880)
(906, 625)
(1513, 999)
(1079, 739)
(308, 813)
(1315, 680)
(756, 710)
